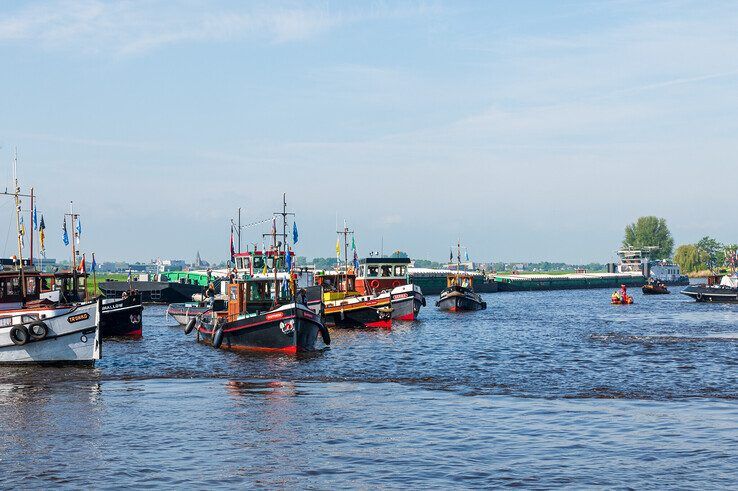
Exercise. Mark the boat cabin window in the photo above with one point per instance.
(27, 318)
(6, 321)
(258, 263)
(10, 289)
(373, 271)
(31, 286)
(399, 270)
(386, 270)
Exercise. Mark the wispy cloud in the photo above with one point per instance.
(136, 26)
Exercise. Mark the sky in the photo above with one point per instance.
(526, 130)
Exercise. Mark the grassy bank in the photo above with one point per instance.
(92, 291)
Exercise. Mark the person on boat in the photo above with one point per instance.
(303, 296)
(624, 293)
(211, 295)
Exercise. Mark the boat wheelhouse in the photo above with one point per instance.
(344, 306)
(459, 294)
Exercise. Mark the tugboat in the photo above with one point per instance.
(654, 287)
(120, 317)
(265, 311)
(378, 274)
(346, 307)
(459, 294)
(718, 289)
(37, 330)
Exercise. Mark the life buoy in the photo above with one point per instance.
(374, 284)
(325, 334)
(38, 331)
(19, 335)
(218, 337)
(699, 297)
(395, 283)
(190, 326)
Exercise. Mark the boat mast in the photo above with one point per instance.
(284, 215)
(18, 226)
(30, 257)
(345, 232)
(73, 216)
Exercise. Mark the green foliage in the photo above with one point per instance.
(689, 259)
(650, 231)
(399, 254)
(425, 263)
(322, 263)
(712, 252)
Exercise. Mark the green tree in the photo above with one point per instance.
(712, 252)
(399, 254)
(689, 259)
(650, 232)
(731, 256)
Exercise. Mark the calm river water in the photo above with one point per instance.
(543, 389)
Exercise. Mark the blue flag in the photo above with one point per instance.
(65, 235)
(467, 255)
(294, 233)
(94, 264)
(288, 260)
(79, 228)
(356, 260)
(35, 219)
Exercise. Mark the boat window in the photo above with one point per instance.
(362, 270)
(373, 271)
(399, 270)
(25, 319)
(31, 286)
(12, 287)
(386, 270)
(6, 321)
(258, 263)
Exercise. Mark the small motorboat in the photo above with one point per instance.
(654, 287)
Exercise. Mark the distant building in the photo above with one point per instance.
(170, 265)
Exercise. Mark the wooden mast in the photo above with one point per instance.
(18, 227)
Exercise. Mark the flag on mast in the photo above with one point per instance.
(294, 233)
(94, 264)
(42, 234)
(79, 230)
(22, 232)
(82, 265)
(65, 235)
(233, 251)
(338, 247)
(35, 218)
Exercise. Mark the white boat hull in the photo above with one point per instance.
(73, 337)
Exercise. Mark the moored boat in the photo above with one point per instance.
(346, 307)
(379, 274)
(51, 334)
(717, 290)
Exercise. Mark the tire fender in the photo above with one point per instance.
(218, 337)
(190, 325)
(19, 335)
(38, 330)
(325, 335)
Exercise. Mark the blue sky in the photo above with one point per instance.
(532, 130)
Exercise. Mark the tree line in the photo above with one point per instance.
(651, 234)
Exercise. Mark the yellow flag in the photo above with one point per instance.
(338, 247)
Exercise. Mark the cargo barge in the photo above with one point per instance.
(578, 281)
(433, 281)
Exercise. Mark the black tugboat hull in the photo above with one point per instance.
(284, 331)
(459, 299)
(122, 317)
(703, 293)
(460, 304)
(363, 317)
